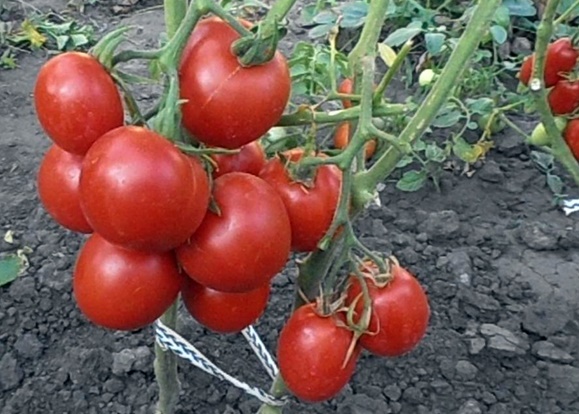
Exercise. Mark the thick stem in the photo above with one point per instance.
(174, 12)
(370, 33)
(366, 181)
(565, 15)
(166, 369)
(392, 71)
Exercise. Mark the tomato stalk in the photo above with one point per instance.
(559, 147)
(392, 71)
(366, 181)
(174, 12)
(565, 15)
(166, 369)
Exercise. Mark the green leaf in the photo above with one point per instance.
(464, 150)
(447, 119)
(354, 14)
(79, 40)
(521, 8)
(10, 268)
(499, 34)
(61, 42)
(325, 17)
(434, 153)
(555, 183)
(542, 160)
(319, 31)
(404, 161)
(434, 42)
(480, 105)
(402, 35)
(502, 16)
(412, 180)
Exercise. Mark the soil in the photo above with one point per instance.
(499, 262)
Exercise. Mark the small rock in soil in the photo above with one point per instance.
(459, 262)
(123, 361)
(511, 145)
(362, 404)
(548, 350)
(501, 339)
(563, 382)
(470, 407)
(393, 392)
(538, 236)
(466, 370)
(491, 172)
(10, 372)
(547, 316)
(442, 224)
(28, 346)
(475, 345)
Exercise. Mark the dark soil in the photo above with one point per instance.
(500, 264)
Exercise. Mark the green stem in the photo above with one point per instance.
(559, 147)
(220, 12)
(174, 12)
(366, 46)
(366, 181)
(166, 369)
(567, 13)
(392, 71)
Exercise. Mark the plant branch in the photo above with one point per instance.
(392, 70)
(166, 369)
(174, 12)
(305, 115)
(567, 13)
(370, 33)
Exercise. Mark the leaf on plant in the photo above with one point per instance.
(325, 17)
(387, 54)
(447, 119)
(555, 183)
(354, 14)
(542, 160)
(480, 105)
(404, 161)
(502, 16)
(8, 60)
(31, 35)
(61, 42)
(319, 31)
(11, 267)
(412, 180)
(521, 8)
(499, 34)
(434, 153)
(465, 151)
(402, 35)
(434, 42)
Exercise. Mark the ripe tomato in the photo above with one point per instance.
(310, 205)
(139, 191)
(250, 159)
(571, 136)
(229, 105)
(58, 188)
(400, 312)
(561, 59)
(342, 139)
(221, 311)
(346, 86)
(76, 101)
(564, 97)
(124, 289)
(245, 245)
(311, 351)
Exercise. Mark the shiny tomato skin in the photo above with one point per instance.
(564, 97)
(229, 105)
(346, 87)
(311, 350)
(250, 159)
(244, 246)
(224, 312)
(58, 188)
(400, 313)
(561, 59)
(202, 190)
(140, 192)
(311, 207)
(571, 136)
(76, 101)
(124, 289)
(526, 70)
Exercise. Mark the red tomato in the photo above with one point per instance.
(202, 189)
(342, 139)
(310, 206)
(250, 159)
(229, 105)
(245, 245)
(311, 351)
(561, 59)
(564, 97)
(58, 188)
(400, 312)
(346, 87)
(139, 191)
(124, 289)
(221, 311)
(571, 136)
(76, 101)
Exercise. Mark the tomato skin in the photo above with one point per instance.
(311, 207)
(400, 313)
(76, 101)
(58, 188)
(564, 97)
(561, 59)
(229, 105)
(346, 86)
(250, 159)
(124, 289)
(571, 136)
(539, 136)
(247, 244)
(224, 312)
(139, 191)
(311, 350)
(342, 139)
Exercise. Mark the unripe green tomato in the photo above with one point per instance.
(539, 136)
(496, 126)
(426, 77)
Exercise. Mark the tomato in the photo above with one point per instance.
(311, 351)
(76, 101)
(246, 244)
(224, 312)
(539, 136)
(249, 159)
(310, 205)
(342, 139)
(561, 59)
(564, 97)
(124, 289)
(346, 86)
(229, 105)
(139, 191)
(58, 188)
(571, 136)
(400, 312)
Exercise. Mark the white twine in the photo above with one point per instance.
(169, 339)
(570, 206)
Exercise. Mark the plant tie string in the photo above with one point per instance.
(171, 340)
(571, 206)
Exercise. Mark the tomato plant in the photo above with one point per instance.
(229, 105)
(76, 101)
(58, 188)
(250, 159)
(564, 97)
(244, 245)
(123, 289)
(560, 59)
(400, 310)
(224, 312)
(138, 190)
(312, 352)
(310, 204)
